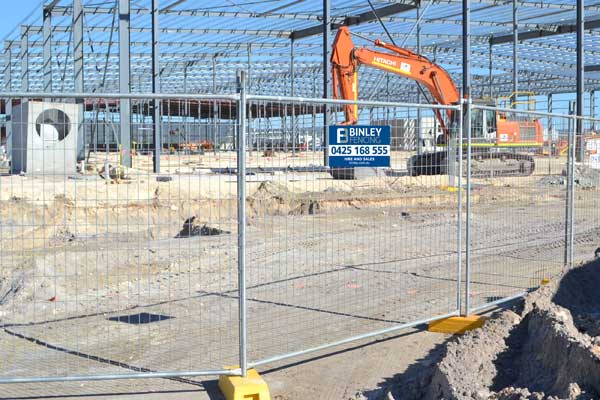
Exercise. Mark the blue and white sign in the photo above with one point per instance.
(359, 146)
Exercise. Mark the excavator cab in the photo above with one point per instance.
(484, 127)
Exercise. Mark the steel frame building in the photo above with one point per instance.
(194, 46)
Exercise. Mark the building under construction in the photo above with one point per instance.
(312, 189)
(543, 50)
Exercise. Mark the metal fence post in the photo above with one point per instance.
(568, 258)
(460, 199)
(241, 219)
(571, 192)
(467, 128)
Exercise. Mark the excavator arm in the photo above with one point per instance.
(346, 59)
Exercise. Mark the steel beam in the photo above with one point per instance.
(125, 82)
(49, 7)
(354, 20)
(173, 5)
(156, 120)
(182, 31)
(534, 34)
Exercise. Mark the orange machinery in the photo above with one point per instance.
(490, 130)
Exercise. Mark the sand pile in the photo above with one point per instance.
(547, 348)
(271, 198)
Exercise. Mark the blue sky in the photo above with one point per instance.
(14, 13)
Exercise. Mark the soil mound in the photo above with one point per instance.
(546, 349)
(274, 199)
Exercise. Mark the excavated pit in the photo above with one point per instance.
(548, 347)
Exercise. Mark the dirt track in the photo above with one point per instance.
(81, 258)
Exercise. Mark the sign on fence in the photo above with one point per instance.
(359, 146)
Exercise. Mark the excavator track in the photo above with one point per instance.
(483, 164)
(490, 165)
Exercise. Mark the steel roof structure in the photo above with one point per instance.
(76, 45)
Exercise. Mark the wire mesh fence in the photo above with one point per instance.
(586, 190)
(519, 201)
(330, 259)
(208, 231)
(108, 269)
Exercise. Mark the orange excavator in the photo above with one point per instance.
(491, 131)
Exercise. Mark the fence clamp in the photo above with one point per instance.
(250, 387)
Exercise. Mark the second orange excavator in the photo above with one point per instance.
(496, 136)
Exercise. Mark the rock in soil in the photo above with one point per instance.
(191, 228)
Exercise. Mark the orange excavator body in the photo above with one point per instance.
(346, 59)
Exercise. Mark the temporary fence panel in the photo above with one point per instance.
(518, 197)
(586, 188)
(330, 259)
(114, 271)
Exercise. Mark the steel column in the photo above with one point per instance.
(550, 137)
(156, 121)
(47, 49)
(515, 50)
(124, 81)
(491, 76)
(249, 77)
(24, 59)
(78, 45)
(419, 113)
(580, 79)
(466, 58)
(326, 73)
(78, 76)
(292, 92)
(8, 104)
(593, 109)
(215, 103)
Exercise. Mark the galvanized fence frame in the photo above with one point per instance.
(463, 252)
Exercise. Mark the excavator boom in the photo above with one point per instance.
(346, 59)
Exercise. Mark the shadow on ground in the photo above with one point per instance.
(114, 389)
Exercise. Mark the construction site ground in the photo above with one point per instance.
(96, 278)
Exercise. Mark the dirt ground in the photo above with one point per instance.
(94, 280)
(363, 370)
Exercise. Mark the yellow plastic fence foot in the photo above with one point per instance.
(456, 325)
(545, 281)
(252, 387)
(451, 189)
